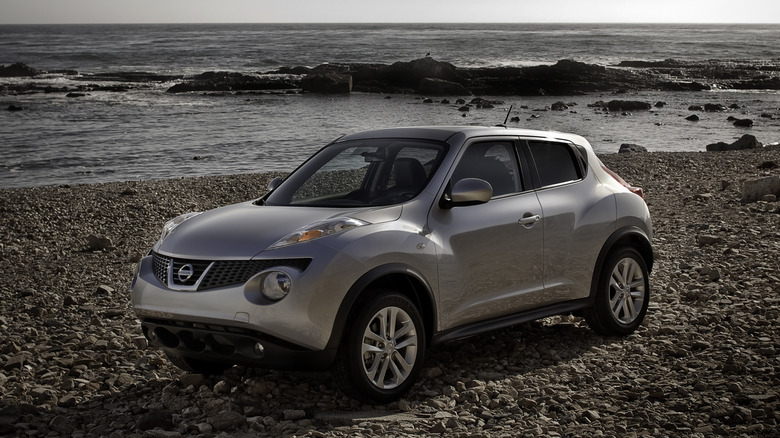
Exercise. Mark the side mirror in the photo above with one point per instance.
(274, 183)
(468, 191)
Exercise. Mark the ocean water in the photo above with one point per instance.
(148, 134)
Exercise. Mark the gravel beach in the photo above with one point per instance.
(706, 362)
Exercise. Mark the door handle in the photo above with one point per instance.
(529, 220)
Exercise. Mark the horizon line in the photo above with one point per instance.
(687, 23)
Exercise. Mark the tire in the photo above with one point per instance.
(197, 366)
(377, 362)
(623, 294)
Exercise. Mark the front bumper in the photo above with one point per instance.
(236, 324)
(234, 345)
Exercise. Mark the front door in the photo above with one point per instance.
(491, 255)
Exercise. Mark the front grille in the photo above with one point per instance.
(214, 274)
(160, 267)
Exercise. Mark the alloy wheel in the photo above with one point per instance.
(626, 290)
(389, 347)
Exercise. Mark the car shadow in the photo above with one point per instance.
(512, 353)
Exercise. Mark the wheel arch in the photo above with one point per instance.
(631, 236)
(398, 277)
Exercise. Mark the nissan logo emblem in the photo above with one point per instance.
(185, 272)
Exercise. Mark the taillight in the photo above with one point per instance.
(635, 190)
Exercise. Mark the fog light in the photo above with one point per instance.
(276, 285)
(259, 350)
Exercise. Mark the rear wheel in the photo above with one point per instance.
(383, 350)
(623, 294)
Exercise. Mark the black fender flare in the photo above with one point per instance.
(628, 235)
(419, 291)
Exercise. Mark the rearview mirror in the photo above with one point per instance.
(468, 191)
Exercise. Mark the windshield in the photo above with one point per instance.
(361, 173)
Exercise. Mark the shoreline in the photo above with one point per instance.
(122, 126)
(72, 359)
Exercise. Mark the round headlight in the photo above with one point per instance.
(276, 285)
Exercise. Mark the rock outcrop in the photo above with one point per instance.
(565, 77)
(17, 70)
(747, 141)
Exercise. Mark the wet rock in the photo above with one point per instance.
(627, 105)
(692, 118)
(327, 82)
(714, 107)
(232, 82)
(630, 147)
(411, 74)
(745, 123)
(747, 141)
(482, 103)
(16, 70)
(439, 87)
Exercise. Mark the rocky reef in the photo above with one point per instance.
(427, 76)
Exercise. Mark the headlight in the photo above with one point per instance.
(319, 229)
(276, 285)
(175, 222)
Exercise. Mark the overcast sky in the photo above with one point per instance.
(388, 11)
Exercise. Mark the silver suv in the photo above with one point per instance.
(387, 242)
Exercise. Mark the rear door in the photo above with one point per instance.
(579, 215)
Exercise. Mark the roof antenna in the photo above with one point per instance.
(509, 111)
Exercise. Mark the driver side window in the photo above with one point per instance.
(493, 162)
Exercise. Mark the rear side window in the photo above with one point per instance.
(556, 163)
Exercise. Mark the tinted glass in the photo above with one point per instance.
(361, 173)
(493, 162)
(555, 162)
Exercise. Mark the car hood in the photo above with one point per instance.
(241, 231)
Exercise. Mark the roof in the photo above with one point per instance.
(444, 133)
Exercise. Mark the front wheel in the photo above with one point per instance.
(623, 294)
(383, 350)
